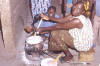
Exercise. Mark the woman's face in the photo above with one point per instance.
(77, 10)
(51, 12)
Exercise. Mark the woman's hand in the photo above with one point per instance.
(42, 30)
(44, 17)
(29, 29)
(39, 30)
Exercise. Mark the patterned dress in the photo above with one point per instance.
(79, 39)
(40, 6)
(60, 40)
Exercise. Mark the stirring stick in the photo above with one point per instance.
(38, 26)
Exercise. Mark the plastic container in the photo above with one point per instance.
(48, 62)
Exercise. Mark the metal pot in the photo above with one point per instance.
(34, 44)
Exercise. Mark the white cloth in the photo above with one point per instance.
(83, 38)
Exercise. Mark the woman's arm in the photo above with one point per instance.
(57, 20)
(75, 23)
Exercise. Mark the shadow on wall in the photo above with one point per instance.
(20, 16)
(0, 25)
(98, 7)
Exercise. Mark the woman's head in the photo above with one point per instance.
(78, 9)
(51, 11)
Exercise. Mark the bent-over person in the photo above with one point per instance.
(80, 28)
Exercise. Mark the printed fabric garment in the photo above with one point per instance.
(60, 40)
(40, 6)
(83, 38)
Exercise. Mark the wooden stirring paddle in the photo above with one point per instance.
(38, 27)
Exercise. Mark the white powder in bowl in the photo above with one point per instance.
(34, 40)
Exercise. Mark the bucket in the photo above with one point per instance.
(48, 62)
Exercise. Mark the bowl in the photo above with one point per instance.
(48, 62)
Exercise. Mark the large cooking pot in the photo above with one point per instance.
(34, 44)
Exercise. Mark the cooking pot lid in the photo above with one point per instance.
(34, 39)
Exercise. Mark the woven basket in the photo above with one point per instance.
(86, 56)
